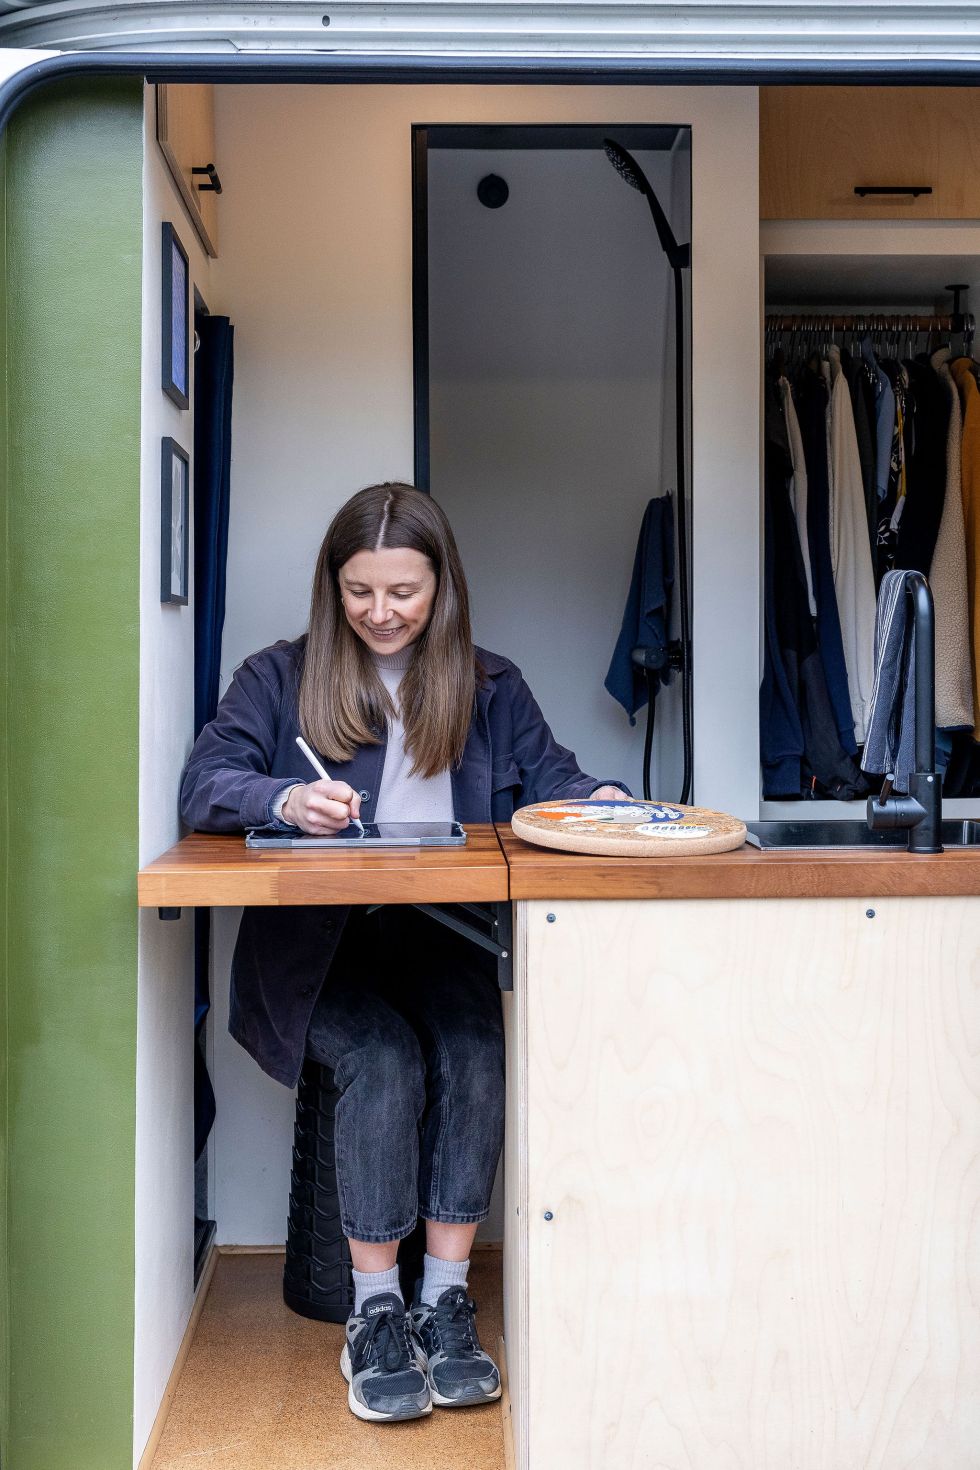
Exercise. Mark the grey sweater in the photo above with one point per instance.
(403, 797)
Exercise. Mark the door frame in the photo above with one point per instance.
(514, 137)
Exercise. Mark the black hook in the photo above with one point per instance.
(213, 186)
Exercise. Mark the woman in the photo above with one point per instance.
(413, 723)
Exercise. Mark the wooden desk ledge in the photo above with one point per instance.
(220, 872)
(542, 873)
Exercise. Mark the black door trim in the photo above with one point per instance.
(371, 69)
(420, 302)
(522, 136)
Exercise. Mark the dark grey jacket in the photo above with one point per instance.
(247, 755)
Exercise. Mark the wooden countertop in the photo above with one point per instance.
(207, 871)
(210, 871)
(539, 872)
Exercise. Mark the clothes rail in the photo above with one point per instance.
(869, 322)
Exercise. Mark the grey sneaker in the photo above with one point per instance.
(383, 1364)
(458, 1370)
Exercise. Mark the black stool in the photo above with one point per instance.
(317, 1279)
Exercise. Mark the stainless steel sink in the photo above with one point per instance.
(821, 835)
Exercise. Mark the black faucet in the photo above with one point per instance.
(921, 811)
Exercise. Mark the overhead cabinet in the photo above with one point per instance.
(185, 132)
(819, 146)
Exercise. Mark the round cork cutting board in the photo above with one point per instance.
(627, 828)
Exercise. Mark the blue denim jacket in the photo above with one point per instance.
(248, 755)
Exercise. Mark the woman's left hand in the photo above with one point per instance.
(609, 793)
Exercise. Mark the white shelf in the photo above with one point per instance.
(953, 238)
(870, 264)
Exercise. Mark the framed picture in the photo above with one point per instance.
(175, 498)
(175, 316)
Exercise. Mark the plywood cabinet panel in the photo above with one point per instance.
(818, 143)
(185, 132)
(756, 1128)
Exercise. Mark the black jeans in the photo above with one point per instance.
(409, 1019)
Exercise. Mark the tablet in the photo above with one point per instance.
(376, 834)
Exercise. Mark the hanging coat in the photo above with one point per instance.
(647, 612)
(926, 465)
(850, 552)
(798, 731)
(810, 393)
(947, 577)
(963, 371)
(865, 425)
(798, 485)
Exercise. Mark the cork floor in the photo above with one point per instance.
(262, 1389)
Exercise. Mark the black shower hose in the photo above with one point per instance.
(687, 702)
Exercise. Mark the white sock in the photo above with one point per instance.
(440, 1275)
(373, 1283)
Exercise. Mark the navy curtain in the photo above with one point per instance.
(213, 378)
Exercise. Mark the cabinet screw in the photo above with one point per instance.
(548, 1215)
(869, 913)
(551, 918)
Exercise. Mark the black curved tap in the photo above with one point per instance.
(921, 811)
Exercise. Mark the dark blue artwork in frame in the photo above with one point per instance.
(176, 307)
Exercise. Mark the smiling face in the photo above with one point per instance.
(388, 596)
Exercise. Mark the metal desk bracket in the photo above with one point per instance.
(493, 931)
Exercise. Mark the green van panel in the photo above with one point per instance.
(69, 657)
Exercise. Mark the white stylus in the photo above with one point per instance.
(324, 775)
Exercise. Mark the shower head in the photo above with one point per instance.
(627, 167)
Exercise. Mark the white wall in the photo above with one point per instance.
(551, 368)
(315, 270)
(165, 1004)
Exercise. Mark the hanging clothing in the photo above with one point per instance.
(799, 739)
(810, 393)
(926, 469)
(780, 726)
(647, 611)
(947, 575)
(963, 371)
(866, 428)
(892, 503)
(798, 484)
(850, 552)
(884, 399)
(890, 746)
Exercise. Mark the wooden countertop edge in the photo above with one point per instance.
(219, 872)
(542, 873)
(224, 890)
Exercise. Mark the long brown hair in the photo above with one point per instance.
(342, 701)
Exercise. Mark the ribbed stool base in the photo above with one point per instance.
(317, 1280)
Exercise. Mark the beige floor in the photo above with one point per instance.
(262, 1390)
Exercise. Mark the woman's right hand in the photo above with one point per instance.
(322, 807)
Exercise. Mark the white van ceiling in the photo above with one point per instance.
(738, 30)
